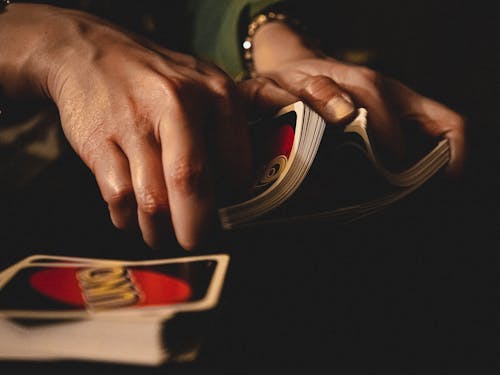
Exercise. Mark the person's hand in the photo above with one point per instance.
(334, 89)
(163, 133)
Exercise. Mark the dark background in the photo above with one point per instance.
(412, 290)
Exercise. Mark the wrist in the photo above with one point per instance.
(36, 41)
(276, 37)
(24, 39)
(276, 43)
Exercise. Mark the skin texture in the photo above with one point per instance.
(160, 129)
(282, 58)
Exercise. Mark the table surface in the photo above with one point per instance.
(397, 290)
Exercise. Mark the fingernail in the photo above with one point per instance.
(340, 107)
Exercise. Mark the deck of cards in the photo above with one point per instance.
(69, 308)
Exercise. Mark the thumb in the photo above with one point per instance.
(262, 95)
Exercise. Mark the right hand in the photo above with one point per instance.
(141, 117)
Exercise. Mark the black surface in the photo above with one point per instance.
(412, 290)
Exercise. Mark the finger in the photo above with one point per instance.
(322, 94)
(233, 154)
(150, 193)
(263, 95)
(334, 104)
(227, 136)
(186, 171)
(383, 125)
(436, 119)
(439, 121)
(112, 173)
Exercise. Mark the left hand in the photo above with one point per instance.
(283, 62)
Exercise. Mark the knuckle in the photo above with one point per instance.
(171, 86)
(119, 195)
(187, 177)
(254, 89)
(324, 92)
(263, 83)
(152, 202)
(368, 75)
(449, 120)
(315, 85)
(193, 63)
(178, 92)
(221, 85)
(175, 88)
(458, 122)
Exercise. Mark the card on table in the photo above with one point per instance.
(43, 258)
(58, 287)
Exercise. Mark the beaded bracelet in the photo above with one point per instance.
(3, 4)
(257, 22)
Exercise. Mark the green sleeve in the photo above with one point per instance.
(216, 33)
